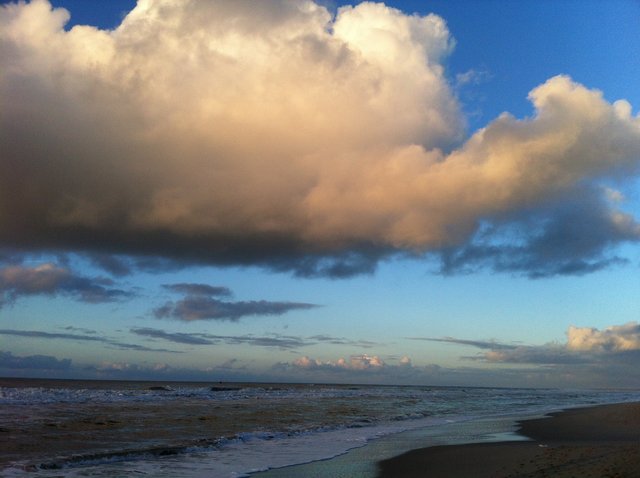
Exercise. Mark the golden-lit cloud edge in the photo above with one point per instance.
(279, 135)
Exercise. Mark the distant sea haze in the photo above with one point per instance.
(106, 428)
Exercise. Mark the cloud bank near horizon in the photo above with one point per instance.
(614, 345)
(278, 135)
(589, 356)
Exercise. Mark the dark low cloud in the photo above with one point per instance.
(576, 236)
(205, 308)
(51, 335)
(79, 329)
(49, 279)
(177, 337)
(481, 344)
(38, 362)
(277, 341)
(82, 338)
(201, 303)
(328, 339)
(114, 265)
(199, 289)
(284, 342)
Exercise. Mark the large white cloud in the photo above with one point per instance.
(271, 132)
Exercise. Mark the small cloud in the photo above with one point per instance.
(283, 342)
(51, 335)
(328, 339)
(49, 279)
(83, 338)
(79, 329)
(405, 361)
(177, 337)
(199, 289)
(482, 344)
(472, 77)
(231, 364)
(613, 195)
(201, 303)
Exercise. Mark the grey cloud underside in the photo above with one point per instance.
(112, 264)
(82, 338)
(123, 252)
(575, 236)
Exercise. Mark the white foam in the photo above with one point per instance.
(237, 457)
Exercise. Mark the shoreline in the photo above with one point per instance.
(600, 441)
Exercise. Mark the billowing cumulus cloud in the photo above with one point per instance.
(276, 134)
(49, 279)
(617, 338)
(355, 362)
(364, 368)
(200, 302)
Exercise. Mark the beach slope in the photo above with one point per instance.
(598, 442)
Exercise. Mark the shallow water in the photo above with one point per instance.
(95, 428)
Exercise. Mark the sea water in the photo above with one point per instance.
(101, 428)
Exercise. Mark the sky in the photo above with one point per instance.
(410, 192)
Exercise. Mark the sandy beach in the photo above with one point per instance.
(598, 442)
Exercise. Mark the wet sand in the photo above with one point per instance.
(597, 442)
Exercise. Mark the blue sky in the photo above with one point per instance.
(321, 192)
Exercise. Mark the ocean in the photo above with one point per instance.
(76, 428)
